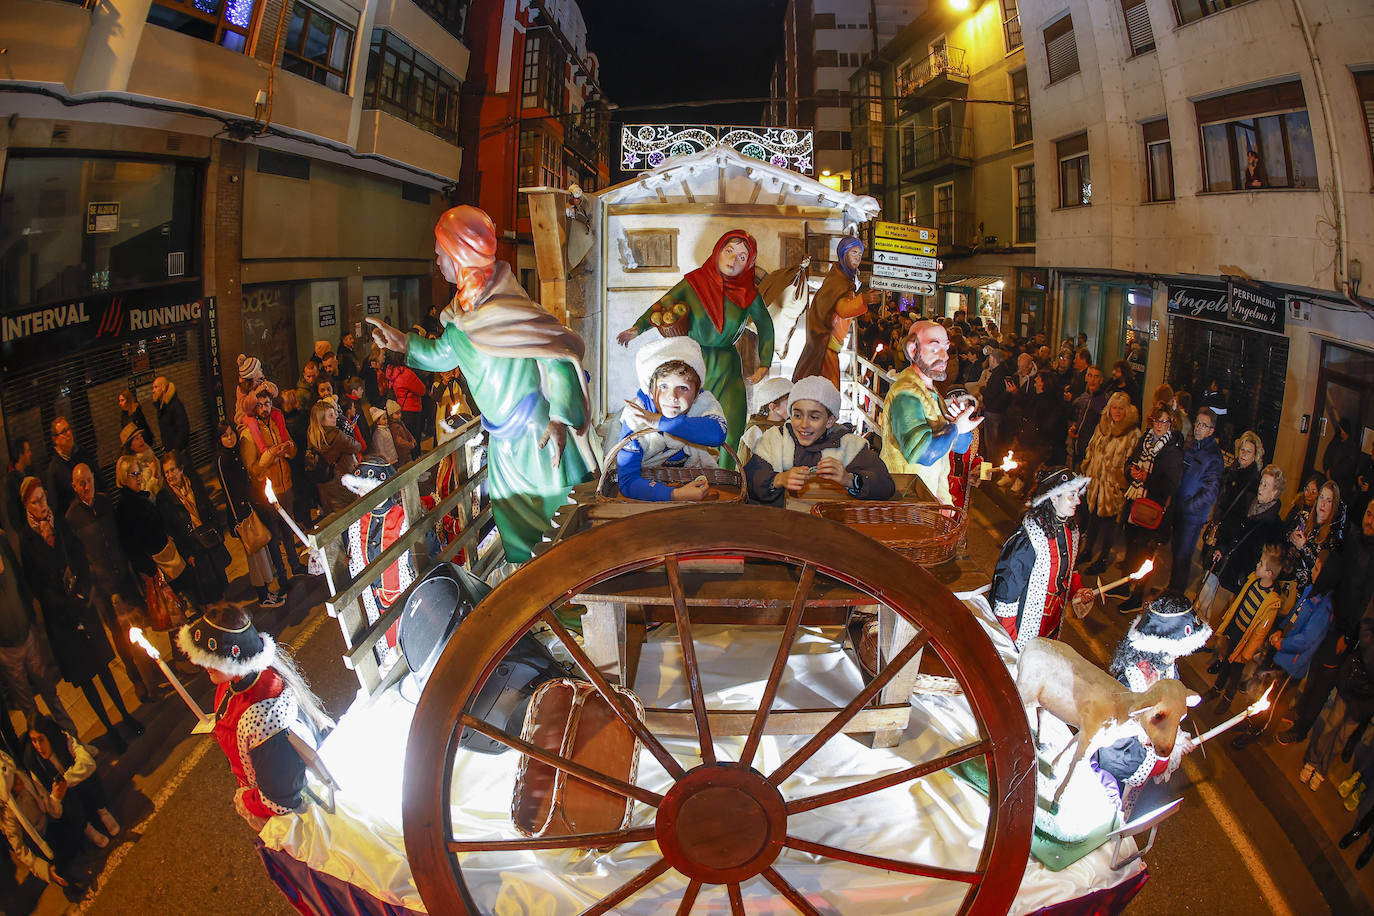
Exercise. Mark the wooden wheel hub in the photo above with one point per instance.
(721, 824)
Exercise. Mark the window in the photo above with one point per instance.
(908, 147)
(403, 82)
(451, 14)
(57, 242)
(1011, 25)
(317, 48)
(1075, 179)
(848, 59)
(1193, 10)
(545, 72)
(540, 162)
(909, 208)
(1025, 204)
(1020, 114)
(1257, 138)
(1159, 160)
(1138, 31)
(1364, 86)
(225, 22)
(944, 212)
(1061, 49)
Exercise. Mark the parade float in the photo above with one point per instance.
(659, 712)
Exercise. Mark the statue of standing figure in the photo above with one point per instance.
(720, 297)
(525, 372)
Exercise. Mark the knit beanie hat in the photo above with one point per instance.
(816, 388)
(249, 366)
(664, 350)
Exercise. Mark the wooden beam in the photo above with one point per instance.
(677, 723)
(687, 192)
(546, 224)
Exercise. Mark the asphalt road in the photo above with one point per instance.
(184, 849)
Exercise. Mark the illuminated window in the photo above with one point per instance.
(403, 82)
(1075, 177)
(545, 72)
(225, 22)
(318, 48)
(1159, 160)
(1193, 10)
(1257, 139)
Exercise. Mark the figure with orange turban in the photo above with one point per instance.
(714, 302)
(525, 373)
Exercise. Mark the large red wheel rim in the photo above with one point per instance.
(818, 547)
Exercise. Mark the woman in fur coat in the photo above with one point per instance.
(1105, 466)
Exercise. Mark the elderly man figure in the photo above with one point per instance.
(114, 594)
(918, 433)
(526, 374)
(65, 456)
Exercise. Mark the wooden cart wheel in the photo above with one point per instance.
(689, 839)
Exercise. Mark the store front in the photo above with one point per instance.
(1031, 316)
(1230, 333)
(1114, 313)
(1344, 395)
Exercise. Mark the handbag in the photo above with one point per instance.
(1146, 513)
(252, 533)
(166, 609)
(169, 562)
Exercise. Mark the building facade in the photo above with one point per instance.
(942, 136)
(182, 186)
(536, 118)
(1205, 202)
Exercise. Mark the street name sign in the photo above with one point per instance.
(903, 273)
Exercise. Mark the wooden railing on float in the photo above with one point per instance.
(345, 591)
(862, 396)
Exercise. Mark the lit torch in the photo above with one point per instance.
(1139, 574)
(203, 722)
(272, 498)
(1253, 709)
(1009, 463)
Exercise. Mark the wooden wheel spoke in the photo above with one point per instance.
(689, 897)
(878, 783)
(559, 762)
(897, 865)
(689, 661)
(770, 690)
(622, 710)
(633, 886)
(833, 727)
(794, 896)
(574, 841)
(736, 900)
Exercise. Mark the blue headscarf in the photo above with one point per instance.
(845, 245)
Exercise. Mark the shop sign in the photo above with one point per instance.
(102, 217)
(34, 335)
(1249, 304)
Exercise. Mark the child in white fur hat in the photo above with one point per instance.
(813, 443)
(687, 422)
(770, 396)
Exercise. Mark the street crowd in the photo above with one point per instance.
(80, 566)
(1287, 589)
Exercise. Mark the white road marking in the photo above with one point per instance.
(1217, 806)
(160, 799)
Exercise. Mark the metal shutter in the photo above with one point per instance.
(1138, 30)
(1062, 52)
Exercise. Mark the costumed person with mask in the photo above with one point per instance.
(918, 433)
(676, 423)
(721, 296)
(1167, 630)
(1034, 576)
(835, 306)
(525, 372)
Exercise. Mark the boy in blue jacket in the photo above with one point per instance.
(1294, 642)
(682, 424)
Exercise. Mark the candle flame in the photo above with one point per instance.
(271, 495)
(1009, 463)
(1144, 570)
(137, 638)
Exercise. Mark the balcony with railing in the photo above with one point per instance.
(943, 72)
(953, 230)
(580, 138)
(936, 152)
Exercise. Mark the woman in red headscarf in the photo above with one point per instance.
(721, 297)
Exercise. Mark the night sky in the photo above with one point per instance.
(686, 51)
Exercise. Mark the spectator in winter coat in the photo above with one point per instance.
(13, 507)
(405, 388)
(172, 424)
(1350, 705)
(1105, 467)
(1305, 501)
(1084, 414)
(130, 411)
(1243, 536)
(233, 481)
(267, 452)
(1323, 529)
(1154, 470)
(25, 671)
(64, 456)
(1246, 625)
(1239, 482)
(1197, 492)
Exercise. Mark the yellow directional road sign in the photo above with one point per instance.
(905, 232)
(905, 247)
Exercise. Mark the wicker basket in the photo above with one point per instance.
(722, 478)
(677, 328)
(925, 533)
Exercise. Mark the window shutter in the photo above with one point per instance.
(1138, 30)
(1061, 49)
(1156, 131)
(1249, 102)
(1072, 146)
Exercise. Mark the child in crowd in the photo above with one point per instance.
(684, 421)
(1245, 626)
(771, 397)
(812, 443)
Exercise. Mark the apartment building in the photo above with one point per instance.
(941, 132)
(1205, 201)
(188, 180)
